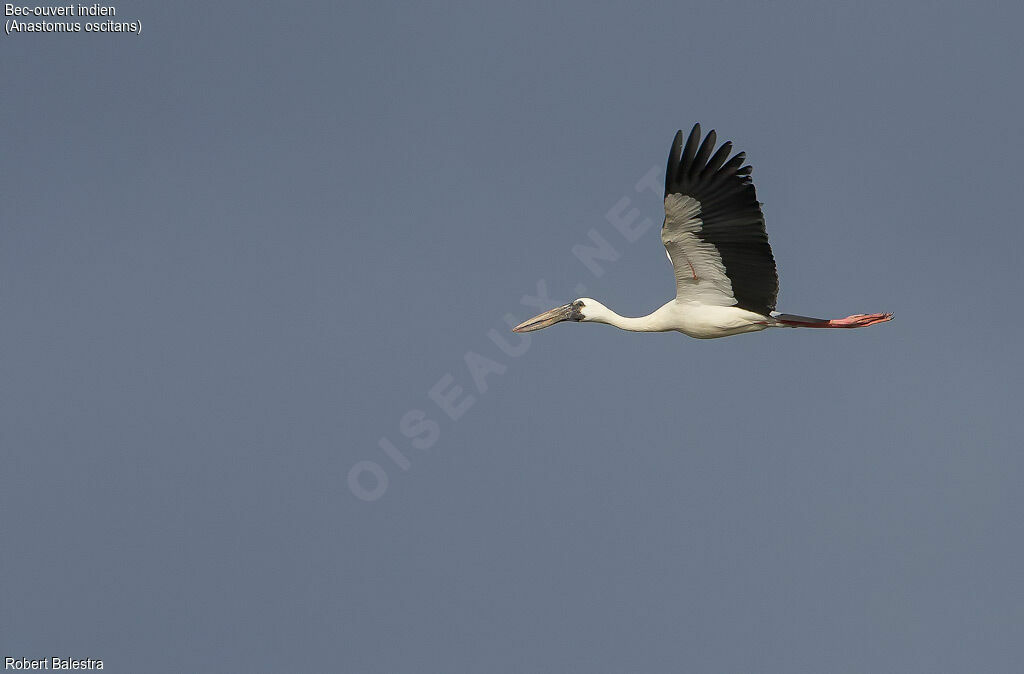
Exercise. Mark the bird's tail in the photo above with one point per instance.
(854, 321)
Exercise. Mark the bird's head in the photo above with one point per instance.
(583, 309)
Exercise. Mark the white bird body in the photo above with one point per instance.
(714, 234)
(693, 319)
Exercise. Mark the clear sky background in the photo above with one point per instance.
(238, 250)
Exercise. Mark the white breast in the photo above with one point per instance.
(705, 321)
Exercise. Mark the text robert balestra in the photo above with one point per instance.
(52, 663)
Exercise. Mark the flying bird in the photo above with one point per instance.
(714, 234)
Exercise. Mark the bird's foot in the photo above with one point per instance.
(859, 320)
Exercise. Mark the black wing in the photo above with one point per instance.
(714, 222)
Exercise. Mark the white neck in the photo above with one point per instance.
(651, 323)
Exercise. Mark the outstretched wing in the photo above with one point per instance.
(714, 229)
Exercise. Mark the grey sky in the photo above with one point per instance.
(238, 249)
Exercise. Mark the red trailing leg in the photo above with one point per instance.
(854, 321)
